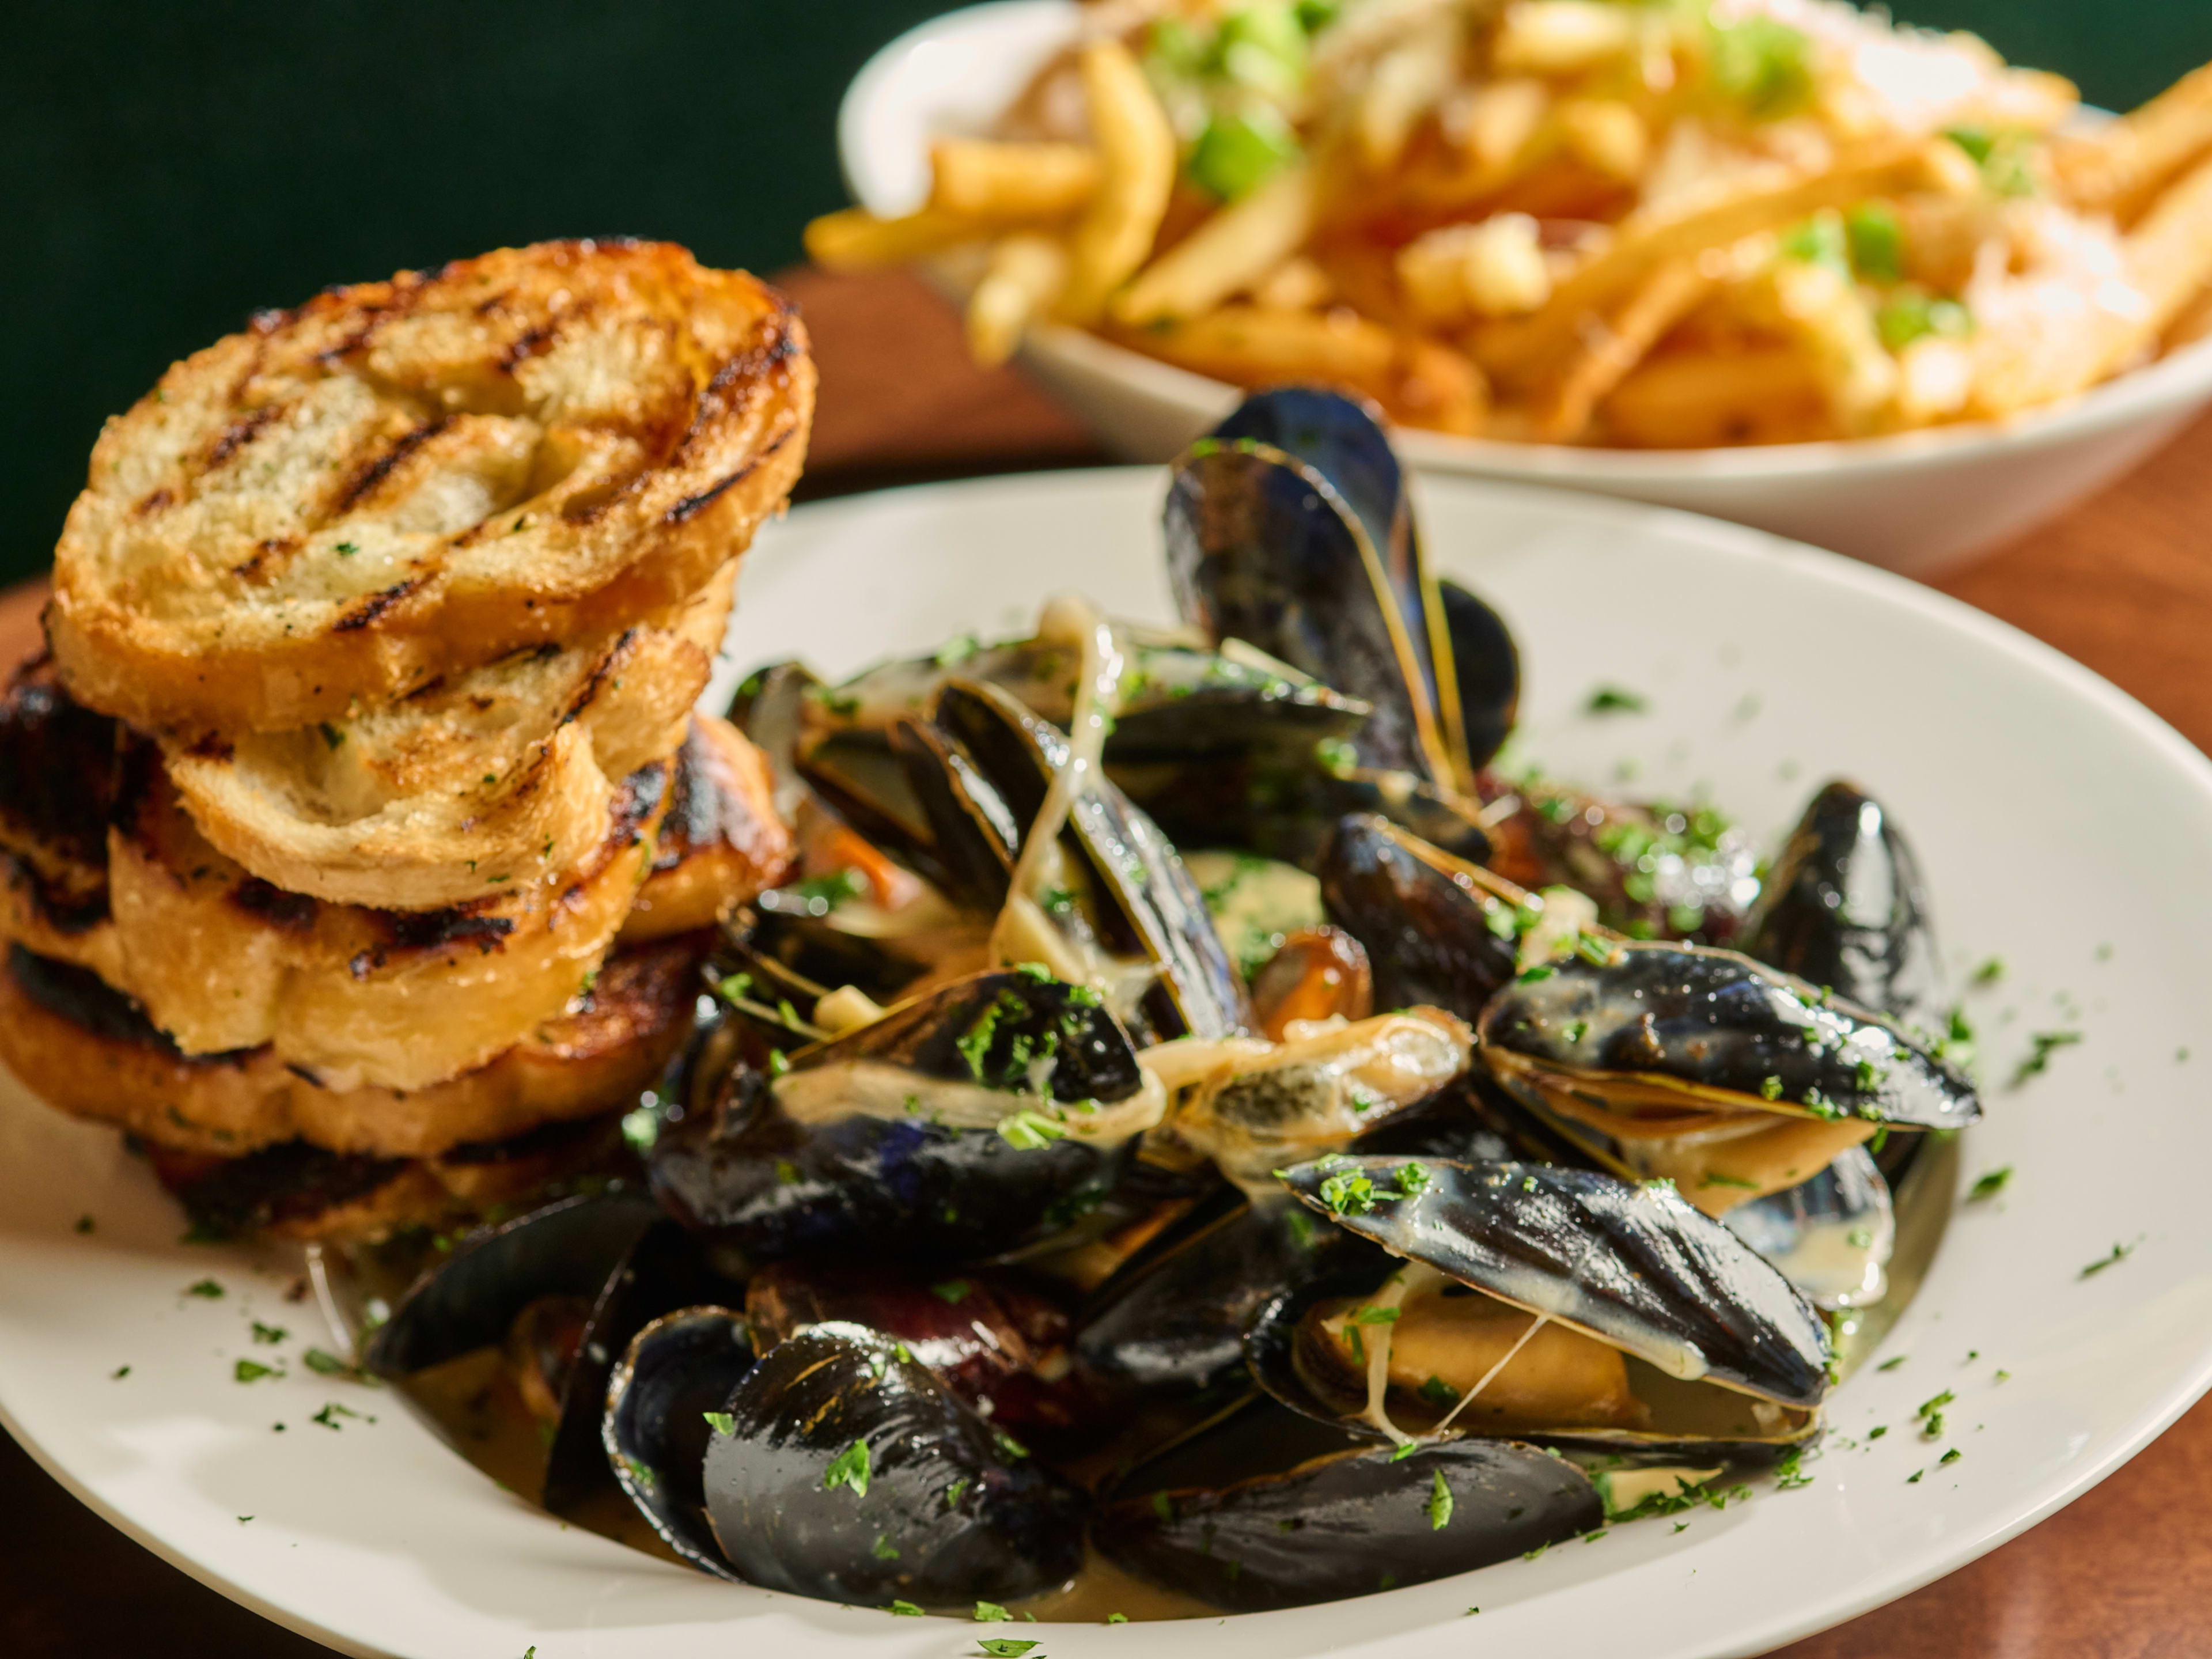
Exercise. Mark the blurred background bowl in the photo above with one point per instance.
(1917, 502)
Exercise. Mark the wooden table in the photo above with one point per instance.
(2123, 584)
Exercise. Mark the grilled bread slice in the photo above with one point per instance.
(401, 481)
(722, 843)
(87, 1050)
(489, 781)
(298, 1190)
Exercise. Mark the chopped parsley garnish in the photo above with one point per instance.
(1374, 1315)
(1989, 1185)
(954, 1291)
(883, 1549)
(1403, 1452)
(990, 1612)
(270, 1333)
(954, 652)
(1438, 1393)
(1877, 1430)
(325, 1364)
(833, 889)
(1613, 700)
(332, 735)
(1991, 971)
(2120, 1253)
(1117, 1617)
(848, 1468)
(1412, 1178)
(904, 1609)
(1913, 1479)
(1891, 1364)
(1788, 1472)
(250, 1370)
(1004, 1647)
(1715, 1178)
(1542, 970)
(1769, 1088)
(1028, 1130)
(1348, 1193)
(721, 1423)
(2044, 1044)
(119, 1373)
(206, 1290)
(952, 1492)
(1440, 1503)
(1951, 1457)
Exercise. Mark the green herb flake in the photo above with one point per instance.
(2120, 1253)
(206, 1290)
(328, 1417)
(2043, 1045)
(1440, 1503)
(990, 1612)
(325, 1364)
(1951, 1457)
(954, 1291)
(1913, 1479)
(1412, 1179)
(721, 1423)
(1117, 1617)
(848, 1468)
(883, 1549)
(1004, 1647)
(1405, 1451)
(904, 1610)
(1374, 1315)
(1877, 1430)
(270, 1333)
(1991, 971)
(119, 1373)
(251, 1371)
(952, 1492)
(1613, 700)
(1715, 1178)
(1770, 1089)
(1989, 1185)
(1891, 1364)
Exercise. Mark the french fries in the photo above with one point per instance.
(979, 179)
(1138, 156)
(1576, 221)
(1231, 251)
(1026, 275)
(2108, 165)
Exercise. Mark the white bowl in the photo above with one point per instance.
(1917, 502)
(1766, 668)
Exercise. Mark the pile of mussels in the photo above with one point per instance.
(998, 1213)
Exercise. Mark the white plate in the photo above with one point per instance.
(1917, 501)
(2063, 827)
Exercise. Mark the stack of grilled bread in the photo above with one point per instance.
(361, 841)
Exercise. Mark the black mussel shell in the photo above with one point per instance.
(1635, 1266)
(1845, 907)
(1000, 1342)
(656, 1428)
(1262, 548)
(1432, 932)
(1265, 1508)
(1486, 665)
(1144, 904)
(1717, 1027)
(852, 1474)
(663, 1271)
(1171, 1321)
(798, 954)
(1795, 1230)
(927, 1126)
(468, 1298)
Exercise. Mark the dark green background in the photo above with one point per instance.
(166, 169)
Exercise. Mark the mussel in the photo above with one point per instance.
(972, 1121)
(1436, 929)
(1552, 1303)
(841, 1467)
(1261, 1508)
(655, 1425)
(1699, 1065)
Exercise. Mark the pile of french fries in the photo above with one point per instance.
(1676, 224)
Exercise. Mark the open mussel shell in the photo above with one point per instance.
(1170, 1322)
(1433, 932)
(470, 1298)
(1139, 903)
(1262, 547)
(655, 1428)
(851, 1473)
(1669, 1028)
(1845, 907)
(663, 1271)
(1633, 1267)
(1264, 1509)
(1000, 1342)
(1486, 670)
(1830, 1236)
(931, 1127)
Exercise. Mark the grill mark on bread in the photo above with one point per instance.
(61, 766)
(259, 568)
(240, 433)
(82, 997)
(368, 610)
(691, 506)
(293, 912)
(154, 501)
(368, 476)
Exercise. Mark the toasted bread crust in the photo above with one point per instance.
(722, 843)
(405, 480)
(491, 781)
(85, 1050)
